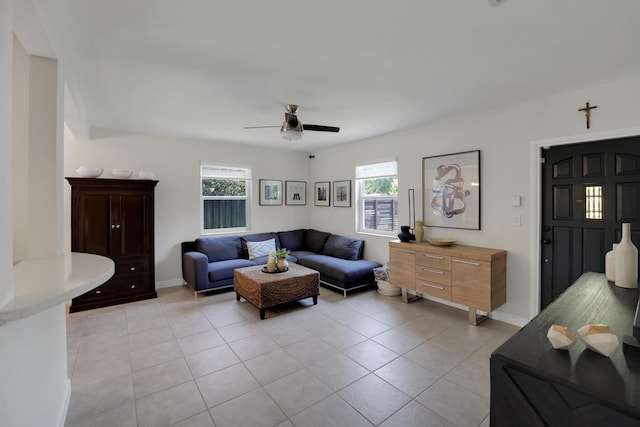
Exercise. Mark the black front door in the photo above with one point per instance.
(588, 191)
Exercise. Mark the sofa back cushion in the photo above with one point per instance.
(257, 237)
(315, 240)
(220, 248)
(260, 249)
(293, 240)
(344, 247)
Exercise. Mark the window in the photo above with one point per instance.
(377, 198)
(593, 202)
(225, 198)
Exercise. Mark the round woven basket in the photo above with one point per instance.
(387, 289)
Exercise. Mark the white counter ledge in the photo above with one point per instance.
(40, 284)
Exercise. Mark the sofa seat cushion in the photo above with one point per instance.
(301, 254)
(222, 270)
(344, 247)
(220, 248)
(347, 272)
(293, 240)
(263, 260)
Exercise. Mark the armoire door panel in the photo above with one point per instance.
(94, 236)
(133, 225)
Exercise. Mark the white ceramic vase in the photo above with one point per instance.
(419, 231)
(282, 264)
(610, 264)
(626, 260)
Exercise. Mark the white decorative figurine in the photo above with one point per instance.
(561, 337)
(599, 338)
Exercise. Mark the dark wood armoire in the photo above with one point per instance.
(114, 218)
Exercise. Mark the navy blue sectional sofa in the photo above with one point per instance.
(208, 262)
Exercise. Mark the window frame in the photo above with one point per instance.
(247, 197)
(361, 198)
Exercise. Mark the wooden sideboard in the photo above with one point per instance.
(532, 384)
(468, 275)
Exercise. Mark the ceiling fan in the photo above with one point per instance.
(292, 128)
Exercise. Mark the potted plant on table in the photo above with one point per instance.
(282, 255)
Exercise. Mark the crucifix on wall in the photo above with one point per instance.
(587, 112)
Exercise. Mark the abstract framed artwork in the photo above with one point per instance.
(451, 190)
(342, 194)
(295, 192)
(322, 193)
(270, 192)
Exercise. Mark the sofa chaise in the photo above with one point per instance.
(208, 263)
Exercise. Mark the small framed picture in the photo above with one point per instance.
(270, 192)
(342, 194)
(322, 193)
(295, 192)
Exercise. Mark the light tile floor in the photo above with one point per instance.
(361, 361)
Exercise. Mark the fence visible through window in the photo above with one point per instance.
(381, 215)
(224, 214)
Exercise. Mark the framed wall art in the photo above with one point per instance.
(295, 192)
(322, 193)
(451, 185)
(270, 192)
(342, 194)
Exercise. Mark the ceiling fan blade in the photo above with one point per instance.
(320, 128)
(259, 127)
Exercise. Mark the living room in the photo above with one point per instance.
(508, 137)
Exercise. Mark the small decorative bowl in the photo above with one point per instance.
(440, 241)
(86, 172)
(121, 173)
(146, 175)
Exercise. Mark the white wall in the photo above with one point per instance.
(504, 137)
(176, 163)
(34, 389)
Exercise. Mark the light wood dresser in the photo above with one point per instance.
(467, 275)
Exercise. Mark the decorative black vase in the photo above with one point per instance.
(405, 235)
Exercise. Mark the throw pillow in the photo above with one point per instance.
(258, 249)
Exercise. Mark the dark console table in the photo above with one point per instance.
(532, 384)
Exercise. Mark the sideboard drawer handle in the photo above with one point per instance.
(428, 270)
(467, 262)
(433, 256)
(432, 286)
(98, 292)
(404, 251)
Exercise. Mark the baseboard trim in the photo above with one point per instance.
(169, 283)
(65, 404)
(497, 315)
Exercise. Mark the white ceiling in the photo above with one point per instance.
(207, 68)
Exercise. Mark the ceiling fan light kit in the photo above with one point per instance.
(292, 128)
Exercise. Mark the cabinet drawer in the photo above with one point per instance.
(440, 262)
(402, 256)
(131, 267)
(104, 291)
(131, 285)
(429, 274)
(433, 289)
(471, 283)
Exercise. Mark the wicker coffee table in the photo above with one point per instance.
(266, 290)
